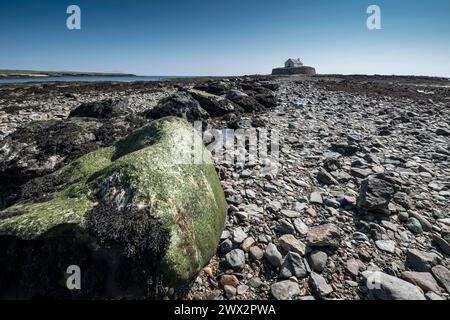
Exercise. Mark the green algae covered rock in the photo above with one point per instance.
(139, 215)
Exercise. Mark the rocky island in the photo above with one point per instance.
(356, 206)
(294, 67)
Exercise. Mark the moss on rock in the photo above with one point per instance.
(150, 172)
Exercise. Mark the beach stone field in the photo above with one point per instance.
(355, 205)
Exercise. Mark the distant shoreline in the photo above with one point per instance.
(20, 74)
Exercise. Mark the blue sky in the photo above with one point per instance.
(226, 37)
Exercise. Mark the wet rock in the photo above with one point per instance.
(248, 104)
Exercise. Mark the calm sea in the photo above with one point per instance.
(95, 79)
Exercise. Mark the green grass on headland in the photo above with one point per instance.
(34, 73)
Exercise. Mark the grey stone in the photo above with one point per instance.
(442, 244)
(353, 266)
(290, 213)
(285, 290)
(414, 226)
(385, 287)
(229, 279)
(229, 291)
(301, 227)
(255, 282)
(319, 285)
(256, 253)
(386, 245)
(315, 197)
(270, 188)
(318, 261)
(426, 225)
(325, 235)
(325, 177)
(239, 235)
(360, 173)
(359, 236)
(420, 260)
(442, 275)
(403, 199)
(403, 216)
(226, 246)
(241, 289)
(285, 227)
(332, 203)
(236, 259)
(274, 206)
(433, 296)
(273, 255)
(375, 195)
(293, 265)
(422, 279)
(289, 243)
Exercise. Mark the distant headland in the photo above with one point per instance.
(4, 74)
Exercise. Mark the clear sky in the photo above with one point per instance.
(226, 37)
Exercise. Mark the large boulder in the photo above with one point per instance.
(135, 217)
(38, 148)
(215, 105)
(375, 195)
(181, 105)
(107, 108)
(247, 103)
(386, 287)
